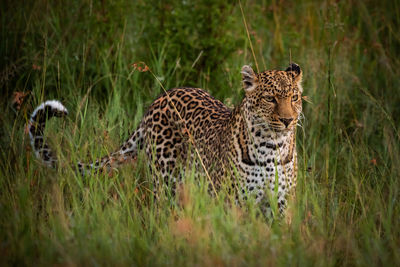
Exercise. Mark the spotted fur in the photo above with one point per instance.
(255, 140)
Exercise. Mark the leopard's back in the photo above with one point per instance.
(180, 118)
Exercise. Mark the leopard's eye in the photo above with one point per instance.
(295, 97)
(270, 98)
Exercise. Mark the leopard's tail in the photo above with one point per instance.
(37, 123)
(127, 152)
(54, 108)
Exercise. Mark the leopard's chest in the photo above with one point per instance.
(268, 164)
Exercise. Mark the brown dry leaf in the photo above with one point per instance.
(146, 68)
(183, 227)
(36, 67)
(18, 99)
(191, 230)
(140, 66)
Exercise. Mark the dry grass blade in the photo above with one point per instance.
(248, 36)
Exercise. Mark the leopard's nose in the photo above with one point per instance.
(285, 121)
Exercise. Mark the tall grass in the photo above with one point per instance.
(346, 210)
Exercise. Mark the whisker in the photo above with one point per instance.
(262, 124)
(300, 125)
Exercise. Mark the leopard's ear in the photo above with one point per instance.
(249, 78)
(295, 71)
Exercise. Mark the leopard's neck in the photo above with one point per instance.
(256, 143)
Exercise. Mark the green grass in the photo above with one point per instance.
(346, 210)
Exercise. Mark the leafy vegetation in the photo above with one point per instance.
(346, 210)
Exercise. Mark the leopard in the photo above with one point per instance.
(252, 145)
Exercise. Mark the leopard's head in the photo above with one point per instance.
(273, 98)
